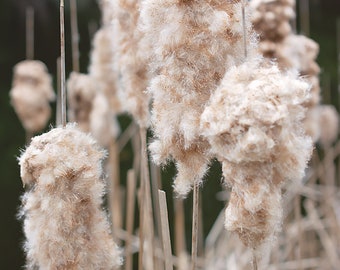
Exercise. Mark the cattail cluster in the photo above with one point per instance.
(271, 20)
(253, 124)
(90, 108)
(130, 60)
(64, 224)
(192, 43)
(31, 94)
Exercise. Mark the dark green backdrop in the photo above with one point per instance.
(12, 136)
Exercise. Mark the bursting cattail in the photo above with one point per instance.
(130, 61)
(193, 44)
(291, 52)
(64, 224)
(90, 108)
(31, 93)
(254, 125)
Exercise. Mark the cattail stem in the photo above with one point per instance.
(297, 213)
(304, 17)
(254, 260)
(130, 209)
(30, 33)
(179, 227)
(165, 230)
(194, 237)
(115, 195)
(58, 103)
(62, 66)
(75, 36)
(146, 197)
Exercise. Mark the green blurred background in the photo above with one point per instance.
(323, 15)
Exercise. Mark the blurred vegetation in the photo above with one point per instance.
(323, 14)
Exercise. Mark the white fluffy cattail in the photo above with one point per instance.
(102, 69)
(64, 224)
(31, 93)
(271, 18)
(254, 126)
(329, 124)
(130, 61)
(193, 44)
(90, 108)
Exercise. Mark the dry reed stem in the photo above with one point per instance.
(147, 204)
(58, 102)
(75, 35)
(130, 210)
(156, 184)
(141, 226)
(127, 134)
(180, 245)
(304, 17)
(62, 69)
(165, 230)
(194, 232)
(254, 260)
(114, 176)
(29, 33)
(297, 215)
(326, 240)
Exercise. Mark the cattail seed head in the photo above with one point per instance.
(31, 93)
(64, 225)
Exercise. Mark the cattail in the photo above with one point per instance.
(271, 18)
(291, 51)
(64, 224)
(31, 93)
(254, 125)
(91, 109)
(101, 67)
(130, 61)
(329, 124)
(193, 43)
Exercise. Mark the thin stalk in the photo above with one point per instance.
(130, 210)
(62, 66)
(304, 17)
(141, 227)
(58, 109)
(165, 230)
(180, 244)
(147, 204)
(75, 35)
(254, 260)
(194, 236)
(297, 213)
(115, 195)
(30, 33)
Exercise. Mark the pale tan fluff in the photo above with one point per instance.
(64, 223)
(254, 125)
(193, 43)
(130, 61)
(31, 94)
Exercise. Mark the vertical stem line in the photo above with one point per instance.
(194, 236)
(62, 66)
(29, 33)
